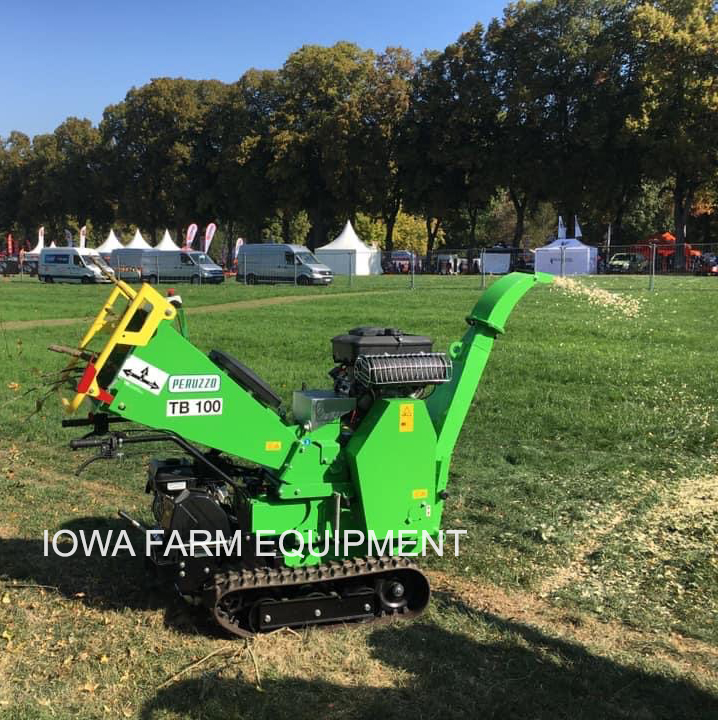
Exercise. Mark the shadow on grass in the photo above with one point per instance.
(524, 674)
(106, 583)
(512, 671)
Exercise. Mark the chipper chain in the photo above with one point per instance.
(361, 589)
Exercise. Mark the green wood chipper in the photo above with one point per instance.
(269, 518)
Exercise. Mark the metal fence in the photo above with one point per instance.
(646, 265)
(349, 268)
(640, 266)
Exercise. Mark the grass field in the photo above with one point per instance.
(585, 476)
(64, 300)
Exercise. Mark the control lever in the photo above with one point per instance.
(110, 447)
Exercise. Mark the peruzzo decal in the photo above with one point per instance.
(193, 383)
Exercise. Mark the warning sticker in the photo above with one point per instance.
(406, 417)
(146, 376)
(420, 493)
(272, 445)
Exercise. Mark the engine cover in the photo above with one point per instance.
(196, 510)
(377, 341)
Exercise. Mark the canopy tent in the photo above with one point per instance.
(110, 244)
(666, 248)
(347, 254)
(138, 242)
(578, 259)
(665, 245)
(166, 243)
(497, 260)
(34, 254)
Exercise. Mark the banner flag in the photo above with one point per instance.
(189, 237)
(41, 236)
(208, 235)
(578, 232)
(237, 245)
(561, 229)
(83, 236)
(10, 244)
(68, 238)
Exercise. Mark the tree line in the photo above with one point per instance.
(604, 109)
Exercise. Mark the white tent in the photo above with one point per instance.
(110, 244)
(34, 254)
(138, 242)
(497, 260)
(578, 259)
(347, 254)
(166, 243)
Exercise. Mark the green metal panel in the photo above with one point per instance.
(449, 403)
(393, 467)
(315, 465)
(314, 519)
(245, 427)
(280, 515)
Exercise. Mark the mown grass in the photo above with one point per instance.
(28, 298)
(583, 475)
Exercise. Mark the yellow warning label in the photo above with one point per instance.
(406, 417)
(420, 494)
(272, 445)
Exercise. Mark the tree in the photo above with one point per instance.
(78, 171)
(677, 49)
(563, 74)
(317, 134)
(239, 189)
(42, 201)
(15, 153)
(386, 104)
(150, 138)
(472, 122)
(434, 184)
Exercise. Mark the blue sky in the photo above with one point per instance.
(74, 57)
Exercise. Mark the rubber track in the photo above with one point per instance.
(247, 580)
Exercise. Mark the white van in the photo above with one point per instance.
(155, 266)
(273, 263)
(70, 264)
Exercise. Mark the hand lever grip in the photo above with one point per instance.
(87, 443)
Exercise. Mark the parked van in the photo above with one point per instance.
(155, 266)
(69, 264)
(273, 263)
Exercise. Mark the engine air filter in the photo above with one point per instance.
(413, 369)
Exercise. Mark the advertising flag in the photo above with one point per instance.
(68, 238)
(41, 236)
(189, 238)
(237, 245)
(578, 232)
(561, 229)
(208, 235)
(83, 236)
(10, 244)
